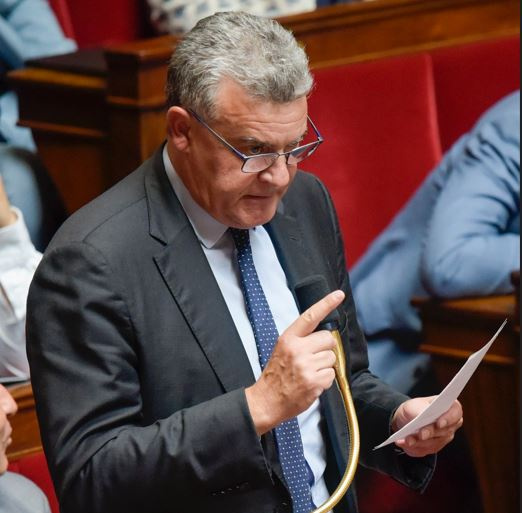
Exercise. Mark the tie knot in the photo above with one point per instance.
(241, 238)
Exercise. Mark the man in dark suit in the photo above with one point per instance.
(146, 317)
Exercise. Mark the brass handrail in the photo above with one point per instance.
(353, 429)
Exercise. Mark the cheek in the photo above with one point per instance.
(229, 178)
(215, 175)
(228, 185)
(292, 171)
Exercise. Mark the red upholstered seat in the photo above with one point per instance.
(34, 467)
(471, 78)
(100, 22)
(379, 122)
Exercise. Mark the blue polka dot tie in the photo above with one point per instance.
(297, 473)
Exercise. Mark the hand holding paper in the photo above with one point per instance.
(426, 424)
(432, 437)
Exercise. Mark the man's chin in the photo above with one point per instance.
(252, 219)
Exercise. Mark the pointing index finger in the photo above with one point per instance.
(310, 318)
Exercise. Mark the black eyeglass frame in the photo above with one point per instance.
(273, 155)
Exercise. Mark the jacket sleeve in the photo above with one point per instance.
(29, 29)
(86, 379)
(473, 238)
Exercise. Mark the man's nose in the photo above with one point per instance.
(278, 173)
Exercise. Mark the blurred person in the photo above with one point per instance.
(28, 29)
(179, 16)
(30, 189)
(17, 493)
(18, 261)
(459, 235)
(171, 366)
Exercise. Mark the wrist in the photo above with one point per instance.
(8, 217)
(396, 419)
(261, 411)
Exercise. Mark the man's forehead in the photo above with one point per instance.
(233, 100)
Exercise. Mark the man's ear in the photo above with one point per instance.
(178, 128)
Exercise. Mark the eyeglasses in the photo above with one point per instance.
(261, 162)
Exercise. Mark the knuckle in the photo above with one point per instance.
(283, 339)
(309, 315)
(330, 376)
(287, 344)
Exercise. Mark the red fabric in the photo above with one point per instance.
(100, 22)
(453, 488)
(379, 123)
(471, 78)
(34, 467)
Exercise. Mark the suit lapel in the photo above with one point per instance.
(190, 280)
(288, 243)
(293, 254)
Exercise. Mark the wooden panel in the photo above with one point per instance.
(453, 330)
(515, 280)
(369, 30)
(78, 164)
(68, 116)
(26, 432)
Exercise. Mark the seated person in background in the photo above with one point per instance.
(18, 261)
(28, 29)
(171, 367)
(179, 16)
(17, 494)
(459, 235)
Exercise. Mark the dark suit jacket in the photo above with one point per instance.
(139, 372)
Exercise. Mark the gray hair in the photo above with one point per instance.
(256, 52)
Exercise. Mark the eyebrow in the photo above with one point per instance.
(257, 142)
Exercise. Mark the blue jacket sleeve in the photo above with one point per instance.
(29, 29)
(473, 238)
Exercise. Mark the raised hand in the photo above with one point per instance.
(300, 369)
(7, 407)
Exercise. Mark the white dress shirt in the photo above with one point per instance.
(18, 261)
(218, 246)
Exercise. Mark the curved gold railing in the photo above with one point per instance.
(353, 429)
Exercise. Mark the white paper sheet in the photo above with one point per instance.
(445, 399)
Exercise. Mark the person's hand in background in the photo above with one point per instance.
(7, 215)
(7, 407)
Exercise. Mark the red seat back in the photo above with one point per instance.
(379, 122)
(471, 78)
(100, 22)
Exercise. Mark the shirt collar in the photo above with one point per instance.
(208, 230)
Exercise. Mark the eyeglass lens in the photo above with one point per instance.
(259, 163)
